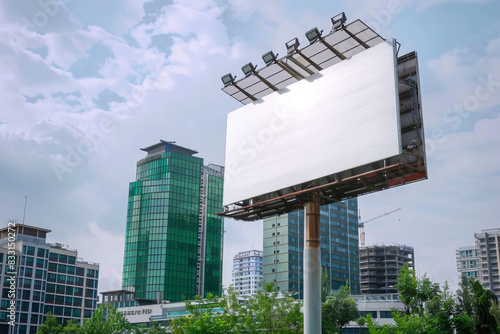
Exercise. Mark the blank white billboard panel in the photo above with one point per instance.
(343, 117)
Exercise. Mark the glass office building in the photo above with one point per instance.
(174, 238)
(284, 248)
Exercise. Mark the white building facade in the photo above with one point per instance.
(247, 272)
(488, 252)
(468, 261)
(482, 260)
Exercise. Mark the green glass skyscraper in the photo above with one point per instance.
(174, 237)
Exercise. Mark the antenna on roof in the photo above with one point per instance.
(25, 202)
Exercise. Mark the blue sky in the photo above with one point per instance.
(84, 85)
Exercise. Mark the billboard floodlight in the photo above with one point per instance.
(227, 79)
(338, 21)
(313, 35)
(248, 69)
(292, 46)
(269, 57)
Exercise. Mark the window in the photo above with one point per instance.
(90, 283)
(385, 314)
(78, 292)
(37, 285)
(79, 281)
(40, 252)
(36, 295)
(77, 313)
(29, 261)
(38, 273)
(35, 307)
(30, 250)
(90, 273)
(52, 266)
(59, 300)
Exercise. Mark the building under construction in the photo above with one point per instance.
(379, 267)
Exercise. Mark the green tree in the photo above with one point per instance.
(50, 326)
(325, 285)
(413, 292)
(72, 327)
(106, 320)
(465, 296)
(411, 324)
(483, 301)
(338, 311)
(441, 309)
(153, 328)
(206, 317)
(268, 311)
(373, 328)
(271, 312)
(463, 324)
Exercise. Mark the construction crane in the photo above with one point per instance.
(361, 225)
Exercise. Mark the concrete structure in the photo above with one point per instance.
(48, 278)
(488, 252)
(284, 247)
(119, 298)
(468, 261)
(174, 237)
(379, 267)
(247, 272)
(379, 306)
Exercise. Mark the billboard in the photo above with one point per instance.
(337, 119)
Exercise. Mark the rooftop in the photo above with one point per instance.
(167, 146)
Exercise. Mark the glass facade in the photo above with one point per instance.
(214, 233)
(284, 247)
(171, 224)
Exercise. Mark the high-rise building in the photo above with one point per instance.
(468, 261)
(379, 267)
(488, 252)
(247, 272)
(48, 278)
(174, 237)
(284, 247)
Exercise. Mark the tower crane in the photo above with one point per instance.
(361, 225)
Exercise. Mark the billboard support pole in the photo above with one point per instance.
(312, 268)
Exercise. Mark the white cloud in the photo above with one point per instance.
(463, 81)
(96, 244)
(442, 213)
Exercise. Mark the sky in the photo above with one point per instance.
(86, 84)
